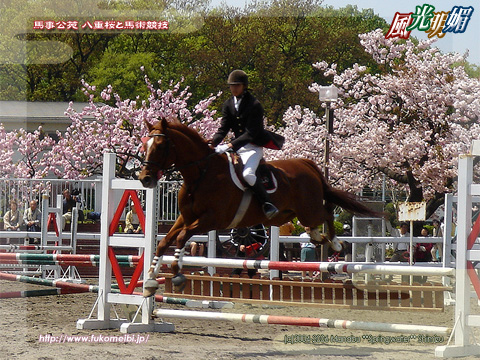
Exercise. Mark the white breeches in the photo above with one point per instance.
(251, 155)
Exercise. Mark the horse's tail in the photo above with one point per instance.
(345, 200)
(349, 202)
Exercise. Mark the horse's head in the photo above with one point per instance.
(159, 154)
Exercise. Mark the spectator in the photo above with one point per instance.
(12, 219)
(308, 252)
(77, 196)
(68, 204)
(401, 249)
(243, 251)
(247, 248)
(437, 249)
(132, 223)
(423, 250)
(32, 217)
(347, 245)
(422, 254)
(285, 230)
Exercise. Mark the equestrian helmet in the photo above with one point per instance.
(237, 77)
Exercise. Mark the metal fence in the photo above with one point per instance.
(167, 202)
(89, 194)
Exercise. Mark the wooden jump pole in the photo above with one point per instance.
(302, 321)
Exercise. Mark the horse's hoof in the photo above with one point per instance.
(336, 245)
(150, 287)
(179, 281)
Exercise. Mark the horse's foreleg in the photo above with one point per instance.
(151, 285)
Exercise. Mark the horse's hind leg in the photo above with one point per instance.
(199, 226)
(335, 244)
(318, 238)
(179, 280)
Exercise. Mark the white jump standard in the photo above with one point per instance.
(466, 276)
(112, 190)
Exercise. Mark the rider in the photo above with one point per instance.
(243, 114)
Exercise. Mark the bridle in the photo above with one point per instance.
(157, 164)
(172, 168)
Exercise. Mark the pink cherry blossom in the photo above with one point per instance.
(414, 120)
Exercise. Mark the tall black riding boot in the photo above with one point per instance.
(268, 208)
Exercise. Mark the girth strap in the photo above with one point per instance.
(242, 209)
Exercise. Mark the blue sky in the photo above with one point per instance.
(470, 39)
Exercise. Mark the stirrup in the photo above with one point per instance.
(269, 210)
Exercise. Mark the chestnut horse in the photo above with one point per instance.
(209, 199)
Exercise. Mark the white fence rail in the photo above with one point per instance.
(25, 190)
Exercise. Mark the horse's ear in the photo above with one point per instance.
(149, 126)
(164, 123)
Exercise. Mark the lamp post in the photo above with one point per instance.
(327, 94)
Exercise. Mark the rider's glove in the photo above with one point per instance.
(220, 149)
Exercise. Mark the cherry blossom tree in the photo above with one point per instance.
(33, 148)
(119, 128)
(409, 123)
(23, 153)
(7, 141)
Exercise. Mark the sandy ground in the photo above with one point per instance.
(25, 322)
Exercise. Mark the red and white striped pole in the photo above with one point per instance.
(302, 321)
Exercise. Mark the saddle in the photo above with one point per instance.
(264, 173)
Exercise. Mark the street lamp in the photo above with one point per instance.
(328, 94)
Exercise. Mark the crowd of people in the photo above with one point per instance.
(31, 218)
(422, 252)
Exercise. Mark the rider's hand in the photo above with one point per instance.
(220, 149)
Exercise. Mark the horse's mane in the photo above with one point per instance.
(188, 131)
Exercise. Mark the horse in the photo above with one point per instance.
(209, 199)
